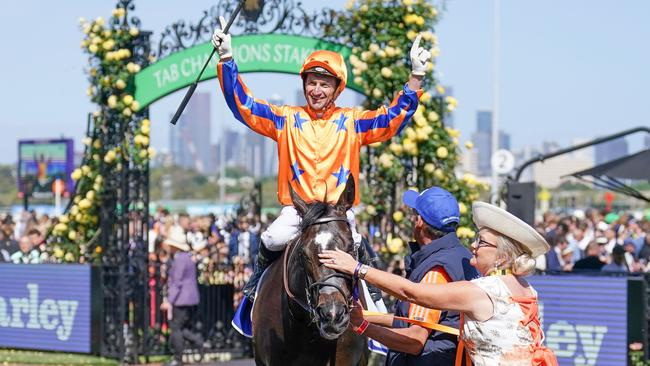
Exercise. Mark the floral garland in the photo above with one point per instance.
(112, 66)
(426, 153)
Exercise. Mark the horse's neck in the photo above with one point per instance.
(297, 283)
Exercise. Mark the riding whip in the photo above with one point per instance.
(192, 88)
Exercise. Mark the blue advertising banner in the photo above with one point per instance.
(45, 307)
(584, 318)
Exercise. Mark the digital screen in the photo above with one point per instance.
(45, 307)
(41, 162)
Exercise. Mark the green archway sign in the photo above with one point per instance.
(253, 53)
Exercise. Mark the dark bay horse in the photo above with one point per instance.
(302, 308)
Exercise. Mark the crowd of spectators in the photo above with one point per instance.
(593, 241)
(224, 247)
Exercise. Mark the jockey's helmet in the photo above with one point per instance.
(326, 63)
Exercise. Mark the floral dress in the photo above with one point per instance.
(512, 336)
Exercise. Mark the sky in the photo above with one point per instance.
(568, 69)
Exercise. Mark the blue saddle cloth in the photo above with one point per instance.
(242, 321)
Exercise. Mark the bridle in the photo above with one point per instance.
(313, 288)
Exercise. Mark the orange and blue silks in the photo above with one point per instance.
(316, 155)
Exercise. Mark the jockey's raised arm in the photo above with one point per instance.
(259, 115)
(388, 120)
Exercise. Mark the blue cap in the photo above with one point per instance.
(437, 207)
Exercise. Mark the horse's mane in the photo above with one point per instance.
(315, 211)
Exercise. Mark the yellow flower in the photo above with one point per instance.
(119, 12)
(146, 122)
(60, 227)
(132, 67)
(64, 219)
(93, 48)
(376, 93)
(108, 45)
(435, 52)
(371, 210)
(135, 106)
(69, 256)
(133, 31)
(425, 97)
(127, 112)
(386, 72)
(76, 174)
(99, 179)
(386, 160)
(90, 195)
(97, 144)
(442, 152)
(358, 80)
(421, 134)
(395, 245)
(395, 148)
(109, 157)
(152, 152)
(145, 141)
(363, 8)
(438, 173)
(407, 2)
(84, 204)
(433, 116)
(72, 235)
(100, 21)
(127, 99)
(409, 132)
(143, 153)
(440, 89)
(58, 253)
(375, 145)
(411, 34)
(144, 130)
(373, 48)
(452, 132)
(112, 101)
(349, 5)
(98, 249)
(462, 208)
(85, 169)
(120, 84)
(469, 145)
(429, 168)
(419, 120)
(398, 216)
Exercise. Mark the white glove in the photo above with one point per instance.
(221, 41)
(419, 58)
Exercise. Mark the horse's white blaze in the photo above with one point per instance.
(322, 239)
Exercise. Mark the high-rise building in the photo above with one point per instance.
(611, 150)
(189, 140)
(482, 139)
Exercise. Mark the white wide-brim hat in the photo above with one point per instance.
(177, 238)
(503, 222)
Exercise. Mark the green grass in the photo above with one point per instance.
(18, 357)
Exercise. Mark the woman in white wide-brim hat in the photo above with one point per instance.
(499, 317)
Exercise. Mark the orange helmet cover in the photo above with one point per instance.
(330, 61)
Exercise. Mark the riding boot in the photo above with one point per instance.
(264, 259)
(369, 257)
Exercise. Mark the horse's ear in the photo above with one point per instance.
(347, 197)
(298, 202)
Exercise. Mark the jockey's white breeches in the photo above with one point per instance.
(286, 227)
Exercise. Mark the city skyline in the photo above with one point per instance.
(554, 79)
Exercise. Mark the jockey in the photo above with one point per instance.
(318, 144)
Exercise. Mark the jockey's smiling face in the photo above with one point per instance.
(319, 90)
